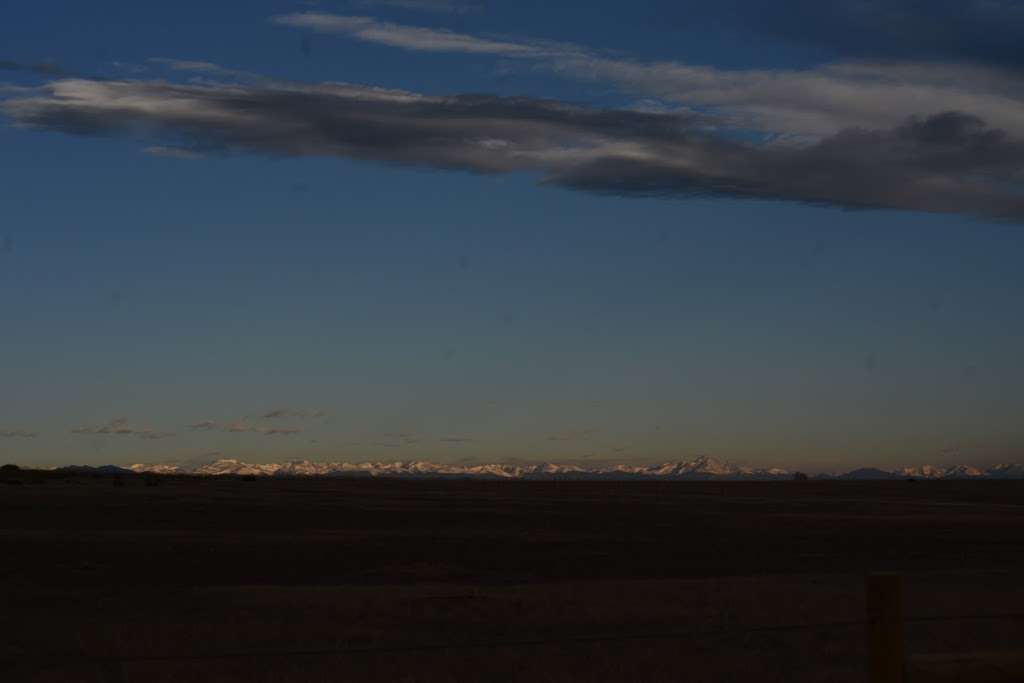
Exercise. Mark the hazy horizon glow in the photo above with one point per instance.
(469, 232)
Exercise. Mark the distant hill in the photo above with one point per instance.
(870, 474)
(88, 469)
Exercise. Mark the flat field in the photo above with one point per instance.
(201, 579)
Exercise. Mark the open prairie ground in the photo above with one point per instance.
(201, 579)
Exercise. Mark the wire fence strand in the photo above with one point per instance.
(515, 643)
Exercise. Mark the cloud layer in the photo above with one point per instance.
(948, 161)
(120, 427)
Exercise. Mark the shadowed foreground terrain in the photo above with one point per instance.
(202, 579)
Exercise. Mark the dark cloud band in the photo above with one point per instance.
(948, 162)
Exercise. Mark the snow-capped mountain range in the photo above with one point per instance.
(702, 468)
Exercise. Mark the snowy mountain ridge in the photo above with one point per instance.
(702, 468)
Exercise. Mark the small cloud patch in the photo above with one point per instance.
(120, 427)
(172, 153)
(17, 434)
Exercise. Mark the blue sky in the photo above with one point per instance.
(611, 231)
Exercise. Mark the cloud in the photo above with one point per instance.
(205, 68)
(951, 161)
(38, 68)
(120, 427)
(246, 428)
(821, 101)
(172, 152)
(17, 434)
(480, 133)
(292, 413)
(417, 38)
(243, 427)
(815, 102)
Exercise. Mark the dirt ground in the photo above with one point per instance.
(200, 579)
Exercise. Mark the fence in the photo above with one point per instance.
(888, 660)
(890, 663)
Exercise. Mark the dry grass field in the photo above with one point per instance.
(273, 580)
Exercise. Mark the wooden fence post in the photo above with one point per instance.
(112, 672)
(885, 628)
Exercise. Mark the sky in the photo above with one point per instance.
(779, 234)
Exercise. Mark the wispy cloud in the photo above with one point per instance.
(120, 427)
(814, 102)
(417, 38)
(205, 68)
(17, 434)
